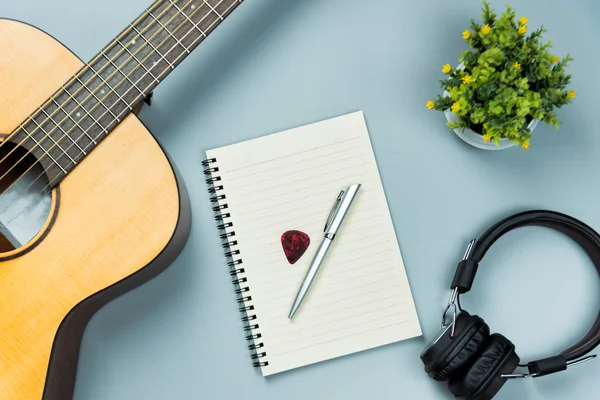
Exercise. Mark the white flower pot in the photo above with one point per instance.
(476, 140)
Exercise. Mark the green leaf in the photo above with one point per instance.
(487, 13)
(501, 97)
(486, 91)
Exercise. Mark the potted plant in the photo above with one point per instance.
(505, 83)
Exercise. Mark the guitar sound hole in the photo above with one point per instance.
(25, 200)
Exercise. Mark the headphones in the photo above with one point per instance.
(477, 364)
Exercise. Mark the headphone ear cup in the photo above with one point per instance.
(483, 378)
(448, 355)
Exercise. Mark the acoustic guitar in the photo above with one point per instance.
(90, 205)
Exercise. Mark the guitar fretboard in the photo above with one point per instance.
(88, 107)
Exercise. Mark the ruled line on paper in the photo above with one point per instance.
(274, 190)
(298, 272)
(277, 311)
(361, 298)
(303, 213)
(329, 292)
(289, 166)
(342, 323)
(276, 235)
(272, 236)
(300, 152)
(343, 336)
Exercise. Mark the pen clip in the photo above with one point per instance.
(333, 211)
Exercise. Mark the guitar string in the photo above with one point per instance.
(195, 27)
(163, 57)
(86, 68)
(113, 90)
(72, 97)
(86, 99)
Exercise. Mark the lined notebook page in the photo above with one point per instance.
(361, 297)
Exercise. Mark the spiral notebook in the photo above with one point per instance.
(361, 297)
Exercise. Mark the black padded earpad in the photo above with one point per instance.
(482, 380)
(448, 355)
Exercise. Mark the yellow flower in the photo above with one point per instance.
(517, 65)
(467, 79)
(522, 29)
(571, 94)
(523, 20)
(525, 144)
(555, 58)
(455, 107)
(487, 138)
(430, 105)
(466, 34)
(486, 29)
(446, 68)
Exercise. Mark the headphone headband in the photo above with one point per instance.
(581, 233)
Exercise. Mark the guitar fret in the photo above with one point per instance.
(126, 77)
(210, 26)
(112, 91)
(49, 117)
(109, 86)
(91, 92)
(107, 89)
(90, 115)
(69, 116)
(188, 18)
(139, 62)
(30, 136)
(213, 9)
(206, 15)
(170, 33)
(153, 48)
(223, 7)
(49, 135)
(194, 40)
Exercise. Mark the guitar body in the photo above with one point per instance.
(117, 221)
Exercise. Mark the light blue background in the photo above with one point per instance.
(277, 64)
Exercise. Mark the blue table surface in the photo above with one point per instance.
(277, 64)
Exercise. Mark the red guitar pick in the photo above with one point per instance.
(294, 245)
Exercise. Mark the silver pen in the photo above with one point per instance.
(334, 221)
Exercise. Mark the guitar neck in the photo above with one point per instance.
(88, 107)
(159, 40)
